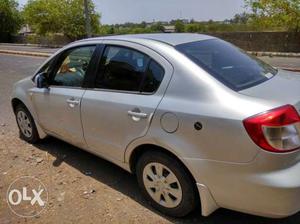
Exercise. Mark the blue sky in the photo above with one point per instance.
(121, 11)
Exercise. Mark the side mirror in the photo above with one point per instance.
(41, 81)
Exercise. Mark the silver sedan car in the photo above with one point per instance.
(201, 124)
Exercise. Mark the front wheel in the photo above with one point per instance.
(27, 127)
(166, 184)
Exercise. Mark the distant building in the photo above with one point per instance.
(165, 23)
(185, 21)
(25, 30)
(169, 29)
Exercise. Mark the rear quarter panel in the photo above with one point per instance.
(195, 96)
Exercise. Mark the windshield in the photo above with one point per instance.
(227, 63)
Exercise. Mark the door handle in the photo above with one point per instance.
(137, 114)
(72, 102)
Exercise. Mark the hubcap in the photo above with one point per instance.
(162, 185)
(24, 124)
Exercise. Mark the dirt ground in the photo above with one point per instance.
(81, 187)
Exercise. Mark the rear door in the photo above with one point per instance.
(128, 87)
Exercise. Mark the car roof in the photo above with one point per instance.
(168, 38)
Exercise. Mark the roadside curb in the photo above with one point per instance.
(274, 54)
(46, 55)
(26, 53)
(256, 53)
(33, 45)
(290, 69)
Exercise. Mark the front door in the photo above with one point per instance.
(128, 88)
(58, 107)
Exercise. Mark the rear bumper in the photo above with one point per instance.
(260, 187)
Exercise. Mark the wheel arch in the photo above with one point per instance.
(141, 149)
(15, 102)
(205, 199)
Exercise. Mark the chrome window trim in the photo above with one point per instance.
(120, 91)
(66, 87)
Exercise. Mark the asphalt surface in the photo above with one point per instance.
(12, 69)
(116, 197)
(283, 62)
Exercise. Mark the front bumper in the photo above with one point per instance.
(269, 186)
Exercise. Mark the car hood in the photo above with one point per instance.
(283, 88)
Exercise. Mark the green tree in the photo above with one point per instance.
(179, 26)
(241, 18)
(44, 16)
(276, 13)
(111, 30)
(143, 24)
(74, 19)
(60, 16)
(10, 18)
(157, 27)
(192, 28)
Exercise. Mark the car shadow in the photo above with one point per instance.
(124, 182)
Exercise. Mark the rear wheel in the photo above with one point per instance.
(166, 184)
(27, 127)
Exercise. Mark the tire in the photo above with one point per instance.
(26, 124)
(182, 203)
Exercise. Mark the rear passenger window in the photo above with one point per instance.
(154, 76)
(121, 69)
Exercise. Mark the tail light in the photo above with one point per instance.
(275, 130)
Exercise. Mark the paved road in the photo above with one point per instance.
(64, 169)
(283, 62)
(12, 69)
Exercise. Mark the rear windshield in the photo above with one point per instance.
(227, 63)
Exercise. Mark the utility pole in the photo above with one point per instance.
(87, 19)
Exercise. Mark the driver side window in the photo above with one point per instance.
(73, 67)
